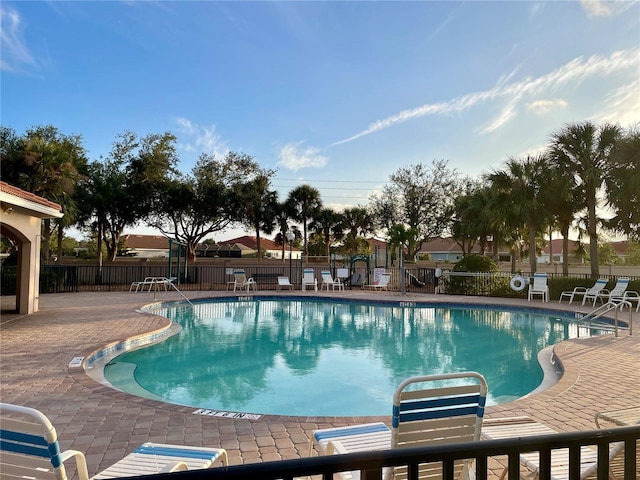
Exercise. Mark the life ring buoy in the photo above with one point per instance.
(518, 283)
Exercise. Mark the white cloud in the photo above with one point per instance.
(605, 8)
(199, 139)
(542, 107)
(294, 157)
(575, 72)
(15, 53)
(623, 106)
(507, 113)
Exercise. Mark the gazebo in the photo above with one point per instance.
(21, 215)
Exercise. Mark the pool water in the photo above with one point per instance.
(308, 357)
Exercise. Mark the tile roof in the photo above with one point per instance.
(153, 242)
(252, 242)
(24, 195)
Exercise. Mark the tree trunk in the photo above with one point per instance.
(514, 252)
(551, 245)
(99, 273)
(532, 250)
(259, 245)
(191, 251)
(565, 250)
(306, 251)
(593, 233)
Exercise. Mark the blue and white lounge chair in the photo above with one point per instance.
(309, 279)
(29, 448)
(584, 292)
(427, 410)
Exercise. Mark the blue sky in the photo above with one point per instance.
(338, 95)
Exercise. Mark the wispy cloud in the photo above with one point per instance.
(16, 56)
(576, 71)
(605, 8)
(623, 105)
(542, 107)
(445, 22)
(294, 156)
(507, 113)
(194, 138)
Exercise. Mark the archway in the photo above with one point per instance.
(20, 220)
(357, 278)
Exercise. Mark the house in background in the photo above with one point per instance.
(621, 249)
(558, 254)
(146, 246)
(247, 247)
(444, 249)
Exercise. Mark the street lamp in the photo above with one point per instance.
(290, 237)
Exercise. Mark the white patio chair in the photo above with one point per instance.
(584, 291)
(539, 287)
(29, 449)
(309, 279)
(329, 281)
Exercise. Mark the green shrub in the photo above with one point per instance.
(475, 263)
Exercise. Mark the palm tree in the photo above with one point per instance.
(327, 223)
(518, 189)
(356, 221)
(45, 162)
(260, 205)
(472, 221)
(623, 185)
(306, 202)
(562, 202)
(585, 150)
(281, 219)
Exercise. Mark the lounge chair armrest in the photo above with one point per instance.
(81, 462)
(604, 292)
(175, 467)
(580, 290)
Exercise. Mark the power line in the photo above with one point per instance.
(333, 181)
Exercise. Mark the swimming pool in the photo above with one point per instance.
(331, 357)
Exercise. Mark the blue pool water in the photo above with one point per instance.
(336, 358)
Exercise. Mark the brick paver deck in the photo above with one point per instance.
(601, 373)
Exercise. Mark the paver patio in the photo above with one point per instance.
(600, 373)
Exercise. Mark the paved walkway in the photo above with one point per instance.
(601, 373)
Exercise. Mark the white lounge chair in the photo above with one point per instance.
(283, 282)
(381, 284)
(584, 291)
(517, 427)
(632, 296)
(539, 287)
(309, 279)
(30, 449)
(241, 280)
(618, 291)
(328, 281)
(427, 410)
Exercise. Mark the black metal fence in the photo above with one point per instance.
(371, 464)
(76, 278)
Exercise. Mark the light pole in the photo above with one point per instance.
(290, 237)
